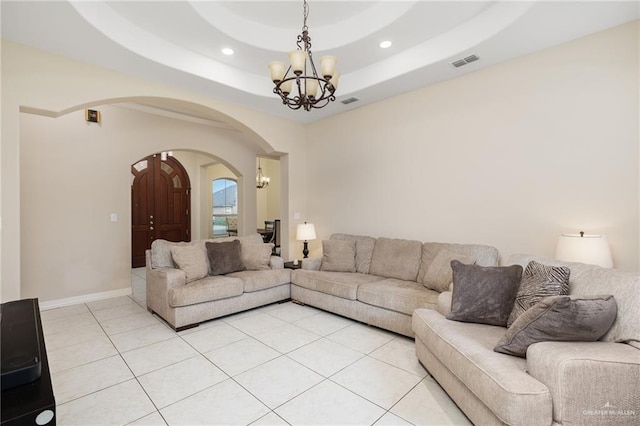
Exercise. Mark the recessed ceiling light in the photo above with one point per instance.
(385, 44)
(227, 51)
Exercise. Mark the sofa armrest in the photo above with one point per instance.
(590, 382)
(444, 303)
(312, 263)
(164, 279)
(276, 262)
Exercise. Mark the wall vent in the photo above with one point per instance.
(349, 100)
(464, 61)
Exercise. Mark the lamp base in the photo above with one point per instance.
(305, 250)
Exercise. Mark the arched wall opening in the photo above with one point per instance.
(75, 178)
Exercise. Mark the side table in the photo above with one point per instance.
(290, 265)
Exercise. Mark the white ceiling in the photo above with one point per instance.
(179, 42)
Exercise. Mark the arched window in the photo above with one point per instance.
(225, 207)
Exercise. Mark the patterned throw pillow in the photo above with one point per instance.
(539, 281)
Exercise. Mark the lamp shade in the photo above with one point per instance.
(305, 232)
(590, 249)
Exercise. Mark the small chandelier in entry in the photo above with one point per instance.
(261, 180)
(311, 91)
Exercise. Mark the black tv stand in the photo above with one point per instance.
(27, 395)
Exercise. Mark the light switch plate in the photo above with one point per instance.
(114, 217)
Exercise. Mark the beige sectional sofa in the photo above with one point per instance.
(381, 281)
(184, 304)
(564, 383)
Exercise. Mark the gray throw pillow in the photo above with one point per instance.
(224, 258)
(191, 259)
(560, 318)
(483, 294)
(338, 256)
(539, 281)
(256, 256)
(440, 275)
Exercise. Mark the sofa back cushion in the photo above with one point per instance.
(592, 280)
(364, 250)
(338, 256)
(256, 256)
(161, 252)
(161, 249)
(439, 276)
(396, 258)
(482, 254)
(191, 260)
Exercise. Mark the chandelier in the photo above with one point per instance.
(311, 90)
(261, 180)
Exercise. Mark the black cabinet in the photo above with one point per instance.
(26, 398)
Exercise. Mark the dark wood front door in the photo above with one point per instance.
(160, 203)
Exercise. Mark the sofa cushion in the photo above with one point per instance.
(224, 257)
(484, 255)
(262, 280)
(256, 256)
(484, 294)
(340, 284)
(205, 290)
(364, 250)
(161, 252)
(440, 275)
(587, 280)
(396, 258)
(191, 259)
(500, 381)
(397, 295)
(338, 256)
(559, 318)
(539, 281)
(161, 249)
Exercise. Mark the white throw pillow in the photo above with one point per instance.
(338, 256)
(256, 256)
(192, 260)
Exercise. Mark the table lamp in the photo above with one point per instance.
(306, 231)
(590, 249)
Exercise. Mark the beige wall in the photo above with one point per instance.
(53, 87)
(509, 156)
(74, 175)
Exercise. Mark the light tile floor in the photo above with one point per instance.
(112, 362)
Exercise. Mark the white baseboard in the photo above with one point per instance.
(59, 303)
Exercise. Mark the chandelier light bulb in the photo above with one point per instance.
(312, 88)
(277, 71)
(334, 80)
(298, 60)
(328, 66)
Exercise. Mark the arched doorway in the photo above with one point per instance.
(160, 204)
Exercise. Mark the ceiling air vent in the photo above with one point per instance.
(350, 100)
(464, 61)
